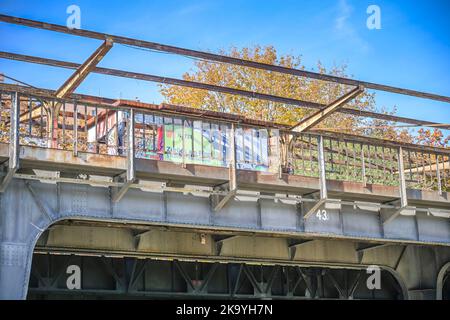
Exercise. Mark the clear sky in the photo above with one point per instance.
(411, 50)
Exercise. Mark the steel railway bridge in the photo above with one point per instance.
(164, 201)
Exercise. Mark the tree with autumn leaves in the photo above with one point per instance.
(433, 137)
(284, 85)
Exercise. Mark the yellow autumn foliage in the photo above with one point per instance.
(267, 82)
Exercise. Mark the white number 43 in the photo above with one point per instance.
(322, 215)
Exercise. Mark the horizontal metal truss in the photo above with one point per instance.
(221, 89)
(218, 58)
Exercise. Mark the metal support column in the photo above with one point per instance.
(438, 175)
(131, 168)
(322, 179)
(387, 214)
(401, 176)
(220, 202)
(13, 163)
(15, 259)
(75, 129)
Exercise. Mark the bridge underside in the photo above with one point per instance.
(81, 222)
(131, 277)
(138, 261)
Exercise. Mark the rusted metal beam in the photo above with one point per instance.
(75, 79)
(50, 94)
(320, 115)
(35, 113)
(219, 58)
(204, 86)
(102, 102)
(165, 80)
(70, 86)
(83, 70)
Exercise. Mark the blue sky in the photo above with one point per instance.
(412, 49)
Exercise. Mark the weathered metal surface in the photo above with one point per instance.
(416, 268)
(265, 217)
(232, 118)
(319, 116)
(83, 70)
(89, 163)
(204, 86)
(25, 215)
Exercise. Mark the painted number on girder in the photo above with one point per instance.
(322, 215)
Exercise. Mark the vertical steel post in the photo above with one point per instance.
(322, 179)
(75, 129)
(219, 202)
(183, 144)
(280, 164)
(131, 170)
(322, 172)
(13, 151)
(118, 193)
(14, 132)
(438, 175)
(363, 166)
(390, 216)
(401, 176)
(232, 165)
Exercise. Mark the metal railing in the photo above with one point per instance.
(346, 160)
(102, 129)
(372, 162)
